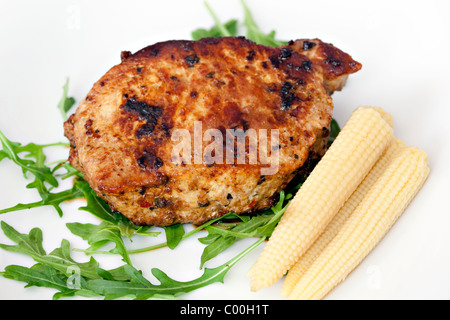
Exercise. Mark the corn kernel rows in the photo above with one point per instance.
(371, 220)
(306, 260)
(354, 152)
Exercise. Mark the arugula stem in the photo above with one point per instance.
(55, 199)
(219, 25)
(164, 244)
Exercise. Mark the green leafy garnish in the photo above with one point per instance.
(12, 150)
(45, 178)
(228, 29)
(221, 236)
(50, 199)
(66, 102)
(255, 34)
(59, 271)
(174, 234)
(100, 235)
(334, 131)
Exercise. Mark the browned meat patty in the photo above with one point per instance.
(123, 135)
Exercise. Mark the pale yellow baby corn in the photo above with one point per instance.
(358, 146)
(371, 220)
(306, 260)
(385, 115)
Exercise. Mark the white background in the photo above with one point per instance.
(404, 49)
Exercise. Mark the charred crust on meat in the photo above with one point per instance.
(88, 127)
(150, 114)
(148, 160)
(124, 55)
(275, 60)
(308, 45)
(333, 61)
(261, 180)
(287, 94)
(192, 60)
(285, 53)
(250, 55)
(306, 65)
(165, 127)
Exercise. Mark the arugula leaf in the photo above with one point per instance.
(55, 271)
(255, 34)
(141, 288)
(11, 150)
(100, 235)
(219, 245)
(50, 199)
(224, 32)
(174, 234)
(219, 238)
(46, 277)
(33, 162)
(66, 102)
(215, 31)
(59, 259)
(95, 205)
(99, 208)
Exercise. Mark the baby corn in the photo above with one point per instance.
(343, 167)
(374, 216)
(306, 260)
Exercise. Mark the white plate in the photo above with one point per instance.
(403, 46)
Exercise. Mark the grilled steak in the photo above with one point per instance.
(124, 134)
